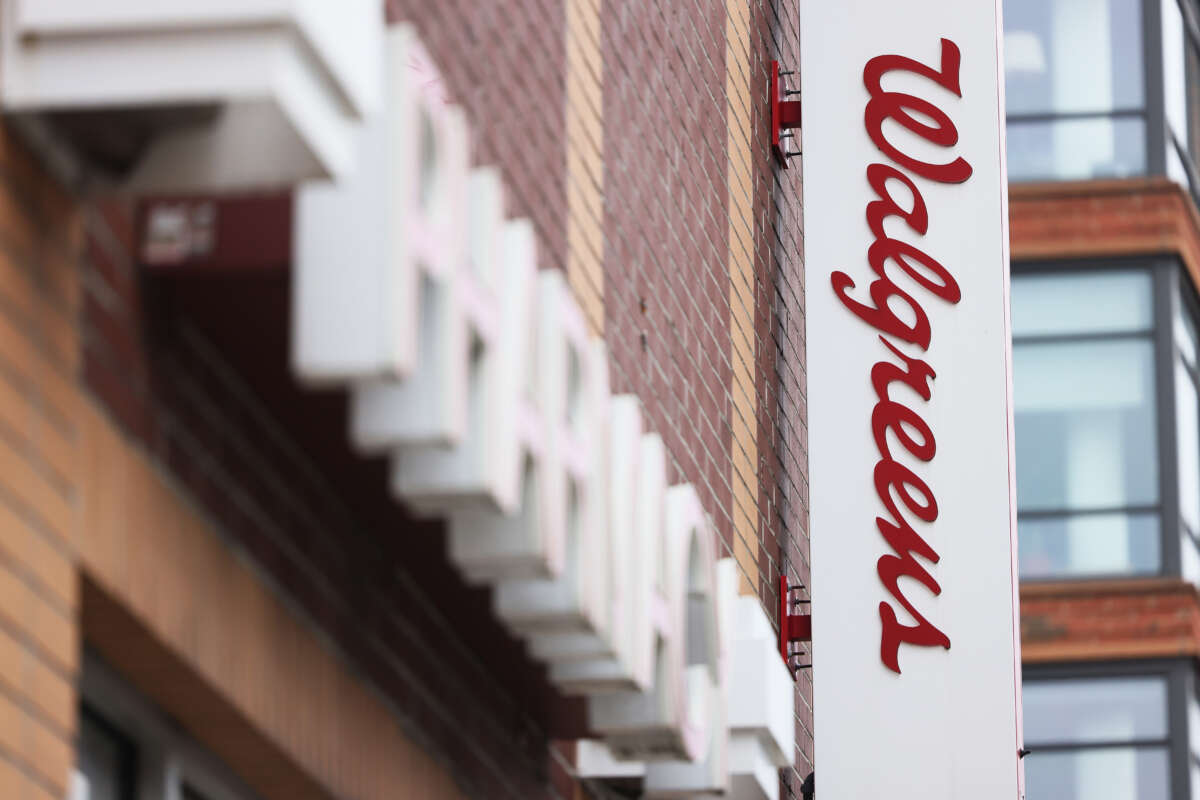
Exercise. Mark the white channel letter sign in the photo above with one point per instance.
(915, 649)
(475, 372)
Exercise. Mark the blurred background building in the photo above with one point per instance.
(208, 591)
(1103, 126)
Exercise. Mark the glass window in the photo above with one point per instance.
(1177, 169)
(1046, 304)
(1179, 94)
(1095, 711)
(129, 750)
(1052, 150)
(1089, 544)
(106, 758)
(1106, 773)
(1086, 431)
(1193, 749)
(1174, 70)
(1185, 335)
(1097, 739)
(1073, 55)
(1074, 85)
(1192, 86)
(1087, 420)
(1187, 432)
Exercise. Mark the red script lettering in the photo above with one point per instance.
(900, 490)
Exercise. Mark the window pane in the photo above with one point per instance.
(1095, 710)
(1189, 559)
(1104, 774)
(105, 759)
(1076, 149)
(1116, 302)
(1185, 335)
(1192, 83)
(1089, 544)
(1085, 429)
(1187, 435)
(1176, 170)
(1194, 727)
(1174, 69)
(1072, 55)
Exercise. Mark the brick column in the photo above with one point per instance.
(39, 355)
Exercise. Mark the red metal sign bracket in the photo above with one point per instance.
(793, 628)
(785, 116)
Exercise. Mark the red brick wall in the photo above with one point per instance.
(195, 367)
(781, 381)
(503, 62)
(1107, 620)
(666, 270)
(1141, 216)
(665, 226)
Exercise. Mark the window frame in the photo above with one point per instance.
(128, 766)
(1184, 301)
(1158, 135)
(1163, 277)
(1179, 678)
(1191, 696)
(1152, 110)
(1190, 11)
(166, 757)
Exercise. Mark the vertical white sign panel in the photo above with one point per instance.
(915, 636)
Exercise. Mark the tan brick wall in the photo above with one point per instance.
(181, 615)
(739, 175)
(585, 159)
(39, 352)
(95, 545)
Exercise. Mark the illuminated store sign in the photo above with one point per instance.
(475, 372)
(915, 650)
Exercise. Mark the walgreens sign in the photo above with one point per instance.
(915, 635)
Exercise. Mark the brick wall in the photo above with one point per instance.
(1146, 216)
(39, 655)
(96, 546)
(634, 135)
(191, 625)
(683, 236)
(1109, 620)
(504, 61)
(697, 231)
(195, 369)
(1120, 619)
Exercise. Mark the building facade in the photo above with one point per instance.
(215, 583)
(1102, 155)
(214, 586)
